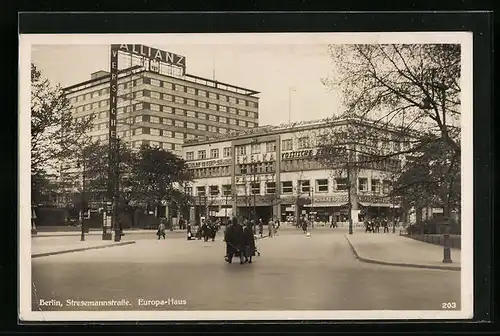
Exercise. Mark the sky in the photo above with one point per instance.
(271, 69)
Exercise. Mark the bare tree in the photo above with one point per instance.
(413, 87)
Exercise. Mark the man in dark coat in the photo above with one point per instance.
(249, 241)
(234, 241)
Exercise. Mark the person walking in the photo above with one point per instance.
(161, 230)
(261, 227)
(276, 227)
(249, 241)
(270, 228)
(235, 241)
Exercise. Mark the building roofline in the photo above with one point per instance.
(194, 79)
(283, 128)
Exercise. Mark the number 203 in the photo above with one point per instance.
(448, 305)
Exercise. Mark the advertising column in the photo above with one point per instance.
(112, 146)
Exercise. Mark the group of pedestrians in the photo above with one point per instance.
(240, 241)
(374, 225)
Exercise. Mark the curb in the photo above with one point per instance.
(372, 261)
(46, 254)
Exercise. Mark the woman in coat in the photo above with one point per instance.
(249, 241)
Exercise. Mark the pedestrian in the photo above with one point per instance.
(161, 230)
(367, 226)
(261, 227)
(234, 241)
(249, 241)
(270, 228)
(385, 225)
(189, 232)
(304, 224)
(276, 227)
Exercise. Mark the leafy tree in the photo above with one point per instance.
(156, 176)
(55, 134)
(414, 87)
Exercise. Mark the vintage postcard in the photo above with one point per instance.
(311, 176)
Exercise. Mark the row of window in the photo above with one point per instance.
(303, 186)
(167, 85)
(200, 92)
(196, 103)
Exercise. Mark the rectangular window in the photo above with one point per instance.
(138, 106)
(154, 119)
(167, 134)
(191, 125)
(305, 186)
(155, 95)
(222, 130)
(168, 85)
(177, 147)
(223, 120)
(242, 123)
(155, 82)
(251, 125)
(232, 121)
(214, 153)
(202, 116)
(202, 127)
(168, 97)
(202, 154)
(201, 191)
(232, 110)
(256, 148)
(322, 185)
(138, 94)
(138, 119)
(95, 105)
(376, 186)
(212, 95)
(286, 187)
(270, 187)
(202, 93)
(179, 112)
(286, 145)
(232, 100)
(189, 156)
(214, 190)
(212, 107)
(255, 188)
(202, 104)
(226, 190)
(154, 107)
(363, 184)
(303, 142)
(179, 87)
(241, 150)
(190, 102)
(191, 114)
(212, 129)
(191, 90)
(167, 121)
(179, 135)
(190, 136)
(222, 108)
(168, 109)
(179, 100)
(270, 146)
(242, 102)
(223, 98)
(227, 151)
(212, 117)
(154, 131)
(242, 113)
(179, 123)
(251, 114)
(387, 185)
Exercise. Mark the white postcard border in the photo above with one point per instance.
(24, 228)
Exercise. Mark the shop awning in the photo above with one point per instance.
(379, 205)
(222, 212)
(325, 205)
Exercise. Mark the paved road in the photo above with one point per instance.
(293, 273)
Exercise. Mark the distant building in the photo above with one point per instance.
(274, 171)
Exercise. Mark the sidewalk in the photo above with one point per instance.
(92, 232)
(395, 250)
(65, 244)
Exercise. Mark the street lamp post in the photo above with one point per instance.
(349, 200)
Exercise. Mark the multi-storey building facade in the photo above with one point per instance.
(163, 110)
(158, 109)
(275, 172)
